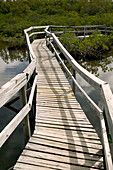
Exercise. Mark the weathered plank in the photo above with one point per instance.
(49, 164)
(63, 136)
(94, 143)
(63, 159)
(65, 123)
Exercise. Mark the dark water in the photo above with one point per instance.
(12, 62)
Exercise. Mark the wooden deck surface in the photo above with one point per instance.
(63, 136)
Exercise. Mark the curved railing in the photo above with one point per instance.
(21, 81)
(19, 84)
(105, 113)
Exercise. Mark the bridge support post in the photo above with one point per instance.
(26, 124)
(73, 84)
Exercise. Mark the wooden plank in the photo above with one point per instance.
(69, 110)
(69, 92)
(68, 136)
(65, 152)
(59, 105)
(74, 143)
(62, 152)
(28, 166)
(66, 127)
(54, 100)
(60, 117)
(93, 142)
(56, 95)
(50, 164)
(61, 114)
(51, 73)
(55, 85)
(60, 121)
(64, 123)
(52, 88)
(66, 146)
(52, 82)
(55, 72)
(63, 159)
(57, 101)
(66, 133)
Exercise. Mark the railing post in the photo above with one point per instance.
(74, 75)
(75, 32)
(105, 30)
(32, 36)
(64, 30)
(50, 32)
(26, 124)
(84, 33)
(32, 112)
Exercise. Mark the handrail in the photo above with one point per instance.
(18, 84)
(94, 81)
(101, 86)
(85, 30)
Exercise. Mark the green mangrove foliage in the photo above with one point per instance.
(91, 48)
(17, 15)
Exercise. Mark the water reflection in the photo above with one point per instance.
(96, 66)
(102, 68)
(12, 55)
(12, 62)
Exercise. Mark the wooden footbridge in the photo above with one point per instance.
(63, 137)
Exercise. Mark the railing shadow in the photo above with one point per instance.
(69, 131)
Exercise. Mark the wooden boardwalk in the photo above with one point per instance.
(63, 136)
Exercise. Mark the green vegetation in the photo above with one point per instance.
(15, 16)
(90, 48)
